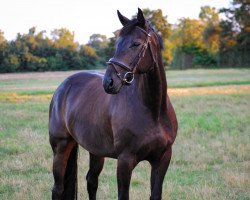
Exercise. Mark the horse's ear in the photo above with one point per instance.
(123, 20)
(140, 17)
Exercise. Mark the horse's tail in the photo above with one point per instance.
(70, 178)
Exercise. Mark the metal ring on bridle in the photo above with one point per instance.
(126, 76)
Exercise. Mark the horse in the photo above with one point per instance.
(125, 114)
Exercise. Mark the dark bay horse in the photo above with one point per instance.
(130, 118)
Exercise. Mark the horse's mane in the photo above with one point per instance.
(130, 26)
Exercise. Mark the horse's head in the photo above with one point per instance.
(136, 52)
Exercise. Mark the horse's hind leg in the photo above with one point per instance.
(158, 171)
(95, 168)
(64, 168)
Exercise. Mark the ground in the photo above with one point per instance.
(211, 157)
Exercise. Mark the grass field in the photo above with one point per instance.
(211, 158)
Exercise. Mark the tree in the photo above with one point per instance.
(63, 38)
(3, 50)
(24, 47)
(210, 18)
(209, 14)
(89, 56)
(235, 34)
(99, 43)
(10, 64)
(190, 49)
(110, 49)
(189, 33)
(56, 63)
(238, 14)
(161, 25)
(34, 51)
(2, 38)
(159, 21)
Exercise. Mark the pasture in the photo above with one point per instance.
(210, 160)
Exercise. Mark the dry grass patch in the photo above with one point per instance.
(14, 97)
(237, 176)
(231, 89)
(36, 75)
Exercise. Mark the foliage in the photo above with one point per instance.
(89, 53)
(188, 33)
(63, 39)
(159, 21)
(235, 35)
(210, 18)
(204, 42)
(100, 44)
(2, 38)
(190, 49)
(211, 42)
(161, 25)
(37, 52)
(192, 56)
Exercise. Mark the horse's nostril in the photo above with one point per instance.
(111, 83)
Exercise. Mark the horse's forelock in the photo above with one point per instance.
(131, 26)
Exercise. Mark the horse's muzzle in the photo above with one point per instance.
(108, 85)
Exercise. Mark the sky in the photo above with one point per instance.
(86, 17)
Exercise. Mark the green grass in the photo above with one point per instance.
(211, 157)
(205, 77)
(46, 83)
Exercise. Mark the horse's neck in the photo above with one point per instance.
(153, 88)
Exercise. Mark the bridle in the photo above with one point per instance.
(128, 77)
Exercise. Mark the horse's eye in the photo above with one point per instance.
(135, 44)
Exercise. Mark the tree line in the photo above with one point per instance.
(204, 42)
(36, 52)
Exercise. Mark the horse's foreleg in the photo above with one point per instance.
(61, 150)
(126, 164)
(95, 168)
(158, 171)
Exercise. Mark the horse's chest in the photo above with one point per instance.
(154, 141)
(142, 143)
